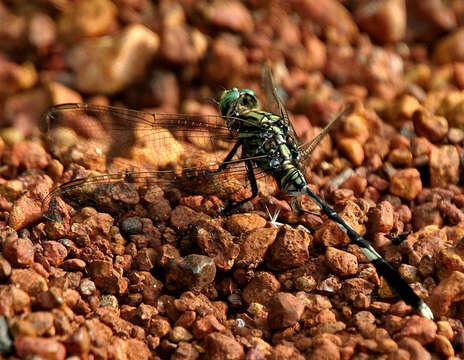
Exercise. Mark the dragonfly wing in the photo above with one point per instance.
(117, 131)
(307, 148)
(110, 192)
(145, 150)
(205, 180)
(273, 101)
(272, 97)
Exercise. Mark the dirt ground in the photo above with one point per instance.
(160, 272)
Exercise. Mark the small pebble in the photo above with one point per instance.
(131, 226)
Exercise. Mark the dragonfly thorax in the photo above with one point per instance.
(267, 140)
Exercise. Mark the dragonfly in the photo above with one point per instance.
(243, 144)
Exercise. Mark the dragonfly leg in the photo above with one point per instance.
(398, 239)
(296, 206)
(254, 187)
(229, 156)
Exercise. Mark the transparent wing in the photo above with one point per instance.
(268, 86)
(142, 149)
(273, 101)
(118, 128)
(275, 105)
(109, 191)
(307, 148)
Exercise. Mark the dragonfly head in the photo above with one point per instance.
(234, 100)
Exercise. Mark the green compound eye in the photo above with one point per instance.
(234, 98)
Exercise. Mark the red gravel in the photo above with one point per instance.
(161, 273)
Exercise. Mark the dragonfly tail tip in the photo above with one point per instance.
(425, 311)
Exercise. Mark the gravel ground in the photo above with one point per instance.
(153, 274)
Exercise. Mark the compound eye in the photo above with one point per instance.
(228, 99)
(246, 100)
(249, 100)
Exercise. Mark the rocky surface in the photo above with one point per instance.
(159, 272)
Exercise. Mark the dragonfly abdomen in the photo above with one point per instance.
(266, 136)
